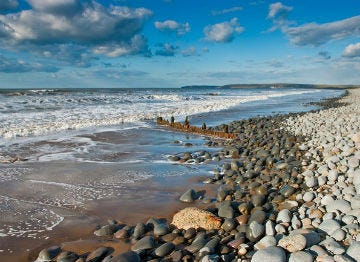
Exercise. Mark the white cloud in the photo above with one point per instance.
(191, 51)
(112, 31)
(226, 11)
(317, 34)
(167, 50)
(278, 10)
(56, 6)
(11, 65)
(223, 32)
(278, 13)
(352, 50)
(312, 33)
(8, 4)
(172, 26)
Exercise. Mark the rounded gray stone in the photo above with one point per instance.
(312, 237)
(329, 226)
(164, 249)
(284, 216)
(353, 251)
(339, 235)
(266, 241)
(189, 196)
(308, 196)
(139, 230)
(340, 205)
(269, 254)
(355, 202)
(301, 256)
(145, 243)
(48, 254)
(332, 246)
(226, 211)
(129, 256)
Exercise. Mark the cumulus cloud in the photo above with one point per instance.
(10, 65)
(317, 34)
(112, 31)
(312, 33)
(167, 50)
(65, 7)
(352, 50)
(278, 10)
(278, 13)
(173, 26)
(226, 11)
(223, 32)
(8, 5)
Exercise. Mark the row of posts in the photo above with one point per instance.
(160, 120)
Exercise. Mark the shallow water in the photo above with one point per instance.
(105, 167)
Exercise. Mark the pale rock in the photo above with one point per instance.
(293, 243)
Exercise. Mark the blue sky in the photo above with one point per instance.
(171, 43)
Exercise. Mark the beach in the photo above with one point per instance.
(260, 190)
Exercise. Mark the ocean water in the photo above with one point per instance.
(78, 147)
(32, 113)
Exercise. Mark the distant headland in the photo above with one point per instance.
(275, 85)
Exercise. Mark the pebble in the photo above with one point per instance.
(144, 243)
(164, 249)
(66, 256)
(267, 241)
(287, 190)
(255, 231)
(270, 228)
(301, 256)
(269, 254)
(312, 237)
(331, 245)
(353, 250)
(293, 243)
(329, 226)
(258, 216)
(98, 254)
(284, 216)
(308, 196)
(226, 211)
(340, 205)
(198, 243)
(48, 254)
(189, 196)
(129, 256)
(355, 202)
(107, 230)
(339, 235)
(160, 229)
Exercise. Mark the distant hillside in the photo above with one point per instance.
(200, 86)
(275, 85)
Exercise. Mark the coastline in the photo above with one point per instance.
(293, 193)
(226, 179)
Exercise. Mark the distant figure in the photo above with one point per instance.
(226, 129)
(172, 120)
(203, 127)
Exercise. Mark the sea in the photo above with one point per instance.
(82, 153)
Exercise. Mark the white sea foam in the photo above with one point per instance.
(51, 112)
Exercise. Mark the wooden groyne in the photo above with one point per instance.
(186, 127)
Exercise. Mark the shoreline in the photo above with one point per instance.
(226, 179)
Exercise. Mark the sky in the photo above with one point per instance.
(173, 43)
